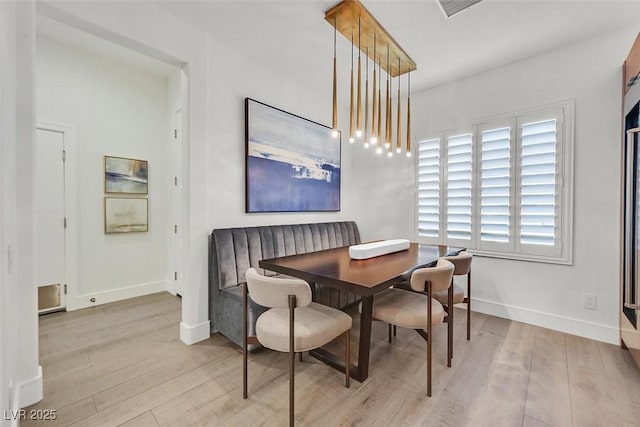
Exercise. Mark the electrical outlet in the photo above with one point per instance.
(590, 301)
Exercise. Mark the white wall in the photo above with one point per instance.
(545, 294)
(372, 187)
(20, 375)
(121, 111)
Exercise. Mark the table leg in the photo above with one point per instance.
(366, 318)
(360, 372)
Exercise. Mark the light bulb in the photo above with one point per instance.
(334, 133)
(351, 140)
(390, 154)
(408, 153)
(387, 144)
(374, 140)
(358, 133)
(398, 150)
(379, 150)
(366, 145)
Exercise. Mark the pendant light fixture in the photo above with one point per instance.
(366, 104)
(398, 127)
(359, 108)
(352, 14)
(374, 136)
(409, 114)
(334, 122)
(352, 138)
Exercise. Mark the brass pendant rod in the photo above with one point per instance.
(375, 99)
(409, 114)
(351, 133)
(379, 130)
(359, 108)
(389, 124)
(334, 124)
(399, 127)
(366, 104)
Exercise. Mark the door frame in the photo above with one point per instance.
(70, 209)
(177, 212)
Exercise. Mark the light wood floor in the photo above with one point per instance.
(124, 364)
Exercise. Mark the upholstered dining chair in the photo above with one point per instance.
(416, 309)
(462, 263)
(292, 324)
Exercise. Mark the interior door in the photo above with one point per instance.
(50, 220)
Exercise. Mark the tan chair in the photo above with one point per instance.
(292, 324)
(416, 309)
(462, 263)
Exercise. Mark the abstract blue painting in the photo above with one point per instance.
(293, 164)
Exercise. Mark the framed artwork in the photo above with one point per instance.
(292, 164)
(127, 176)
(126, 215)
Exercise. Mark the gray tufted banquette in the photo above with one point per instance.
(233, 251)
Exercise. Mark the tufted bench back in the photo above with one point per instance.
(235, 250)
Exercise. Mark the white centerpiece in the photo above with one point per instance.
(374, 249)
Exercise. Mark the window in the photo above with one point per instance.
(502, 188)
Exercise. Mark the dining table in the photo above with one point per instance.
(363, 277)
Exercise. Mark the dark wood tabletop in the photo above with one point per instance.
(335, 268)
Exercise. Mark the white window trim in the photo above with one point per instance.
(565, 216)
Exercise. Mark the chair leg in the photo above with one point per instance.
(300, 357)
(469, 306)
(347, 358)
(395, 330)
(429, 340)
(292, 359)
(450, 325)
(390, 339)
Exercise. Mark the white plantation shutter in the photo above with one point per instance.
(539, 183)
(502, 187)
(495, 188)
(429, 188)
(459, 186)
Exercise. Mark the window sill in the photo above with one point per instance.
(568, 260)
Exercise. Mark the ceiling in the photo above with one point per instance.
(292, 35)
(54, 30)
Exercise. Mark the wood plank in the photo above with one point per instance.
(592, 402)
(548, 398)
(145, 420)
(584, 352)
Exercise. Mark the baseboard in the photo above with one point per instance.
(594, 331)
(193, 334)
(118, 294)
(24, 394)
(171, 287)
(31, 390)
